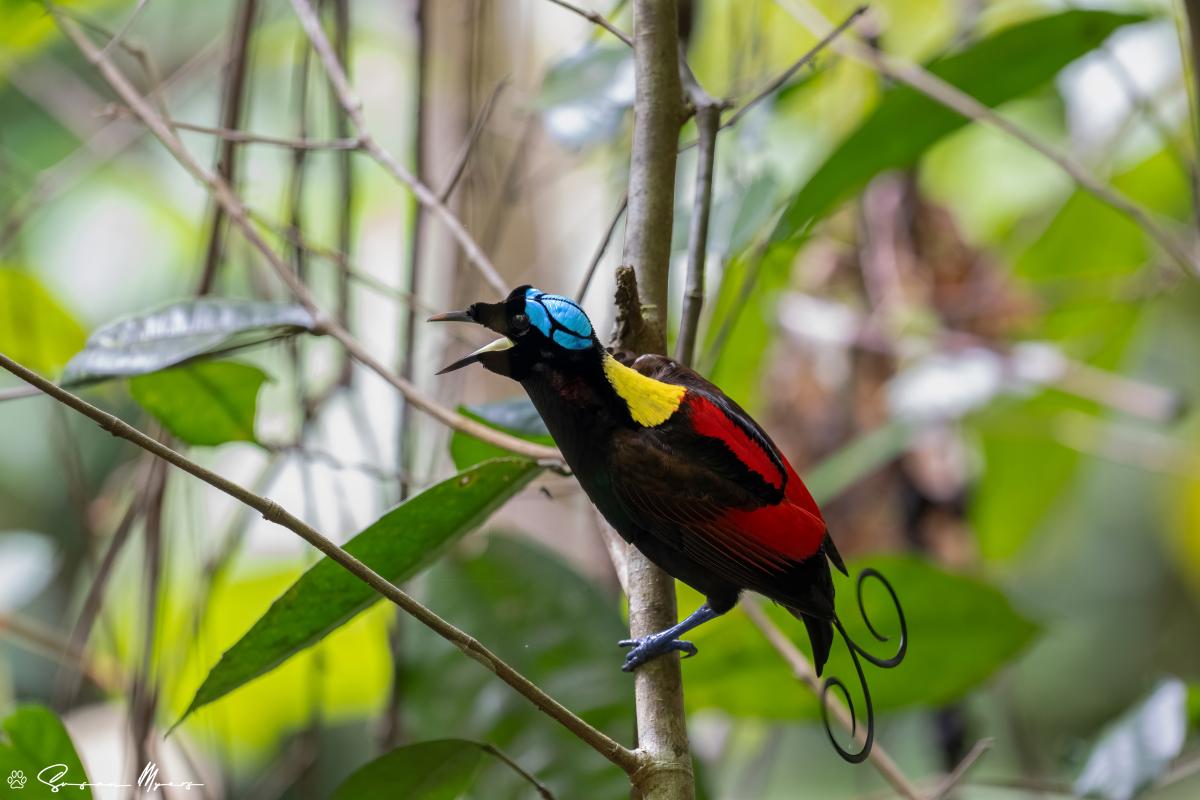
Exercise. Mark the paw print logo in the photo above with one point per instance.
(16, 780)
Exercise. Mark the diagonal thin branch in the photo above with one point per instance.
(477, 128)
(598, 19)
(245, 137)
(956, 100)
(804, 672)
(778, 81)
(273, 512)
(238, 216)
(353, 107)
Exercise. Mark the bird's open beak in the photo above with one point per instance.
(503, 343)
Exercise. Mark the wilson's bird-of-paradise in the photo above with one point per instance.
(680, 471)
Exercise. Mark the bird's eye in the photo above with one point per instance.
(520, 323)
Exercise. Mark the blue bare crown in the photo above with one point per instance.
(559, 319)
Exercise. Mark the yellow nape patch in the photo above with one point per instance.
(650, 402)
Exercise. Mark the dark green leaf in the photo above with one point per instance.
(1000, 68)
(181, 332)
(206, 403)
(34, 327)
(961, 630)
(436, 770)
(515, 416)
(554, 626)
(34, 739)
(397, 546)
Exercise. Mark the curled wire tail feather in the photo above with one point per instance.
(856, 650)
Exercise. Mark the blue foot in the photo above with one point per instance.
(653, 646)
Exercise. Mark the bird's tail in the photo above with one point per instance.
(820, 651)
(820, 633)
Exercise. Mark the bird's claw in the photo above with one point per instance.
(651, 647)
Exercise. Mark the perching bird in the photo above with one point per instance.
(677, 468)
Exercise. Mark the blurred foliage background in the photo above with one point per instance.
(986, 373)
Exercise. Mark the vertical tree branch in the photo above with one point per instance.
(231, 117)
(345, 195)
(708, 123)
(1192, 9)
(658, 113)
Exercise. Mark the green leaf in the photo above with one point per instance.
(515, 416)
(1090, 238)
(857, 459)
(398, 545)
(435, 770)
(961, 630)
(553, 625)
(905, 123)
(33, 739)
(182, 332)
(206, 403)
(34, 327)
(743, 317)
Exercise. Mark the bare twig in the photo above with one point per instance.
(708, 122)
(598, 19)
(964, 104)
(67, 684)
(344, 199)
(602, 248)
(539, 787)
(957, 775)
(273, 512)
(32, 636)
(245, 137)
(124, 29)
(353, 107)
(802, 668)
(477, 128)
(775, 84)
(231, 117)
(238, 216)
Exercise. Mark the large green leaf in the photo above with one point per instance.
(553, 625)
(905, 123)
(437, 770)
(397, 546)
(515, 416)
(182, 332)
(32, 740)
(1090, 238)
(34, 327)
(961, 630)
(206, 403)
